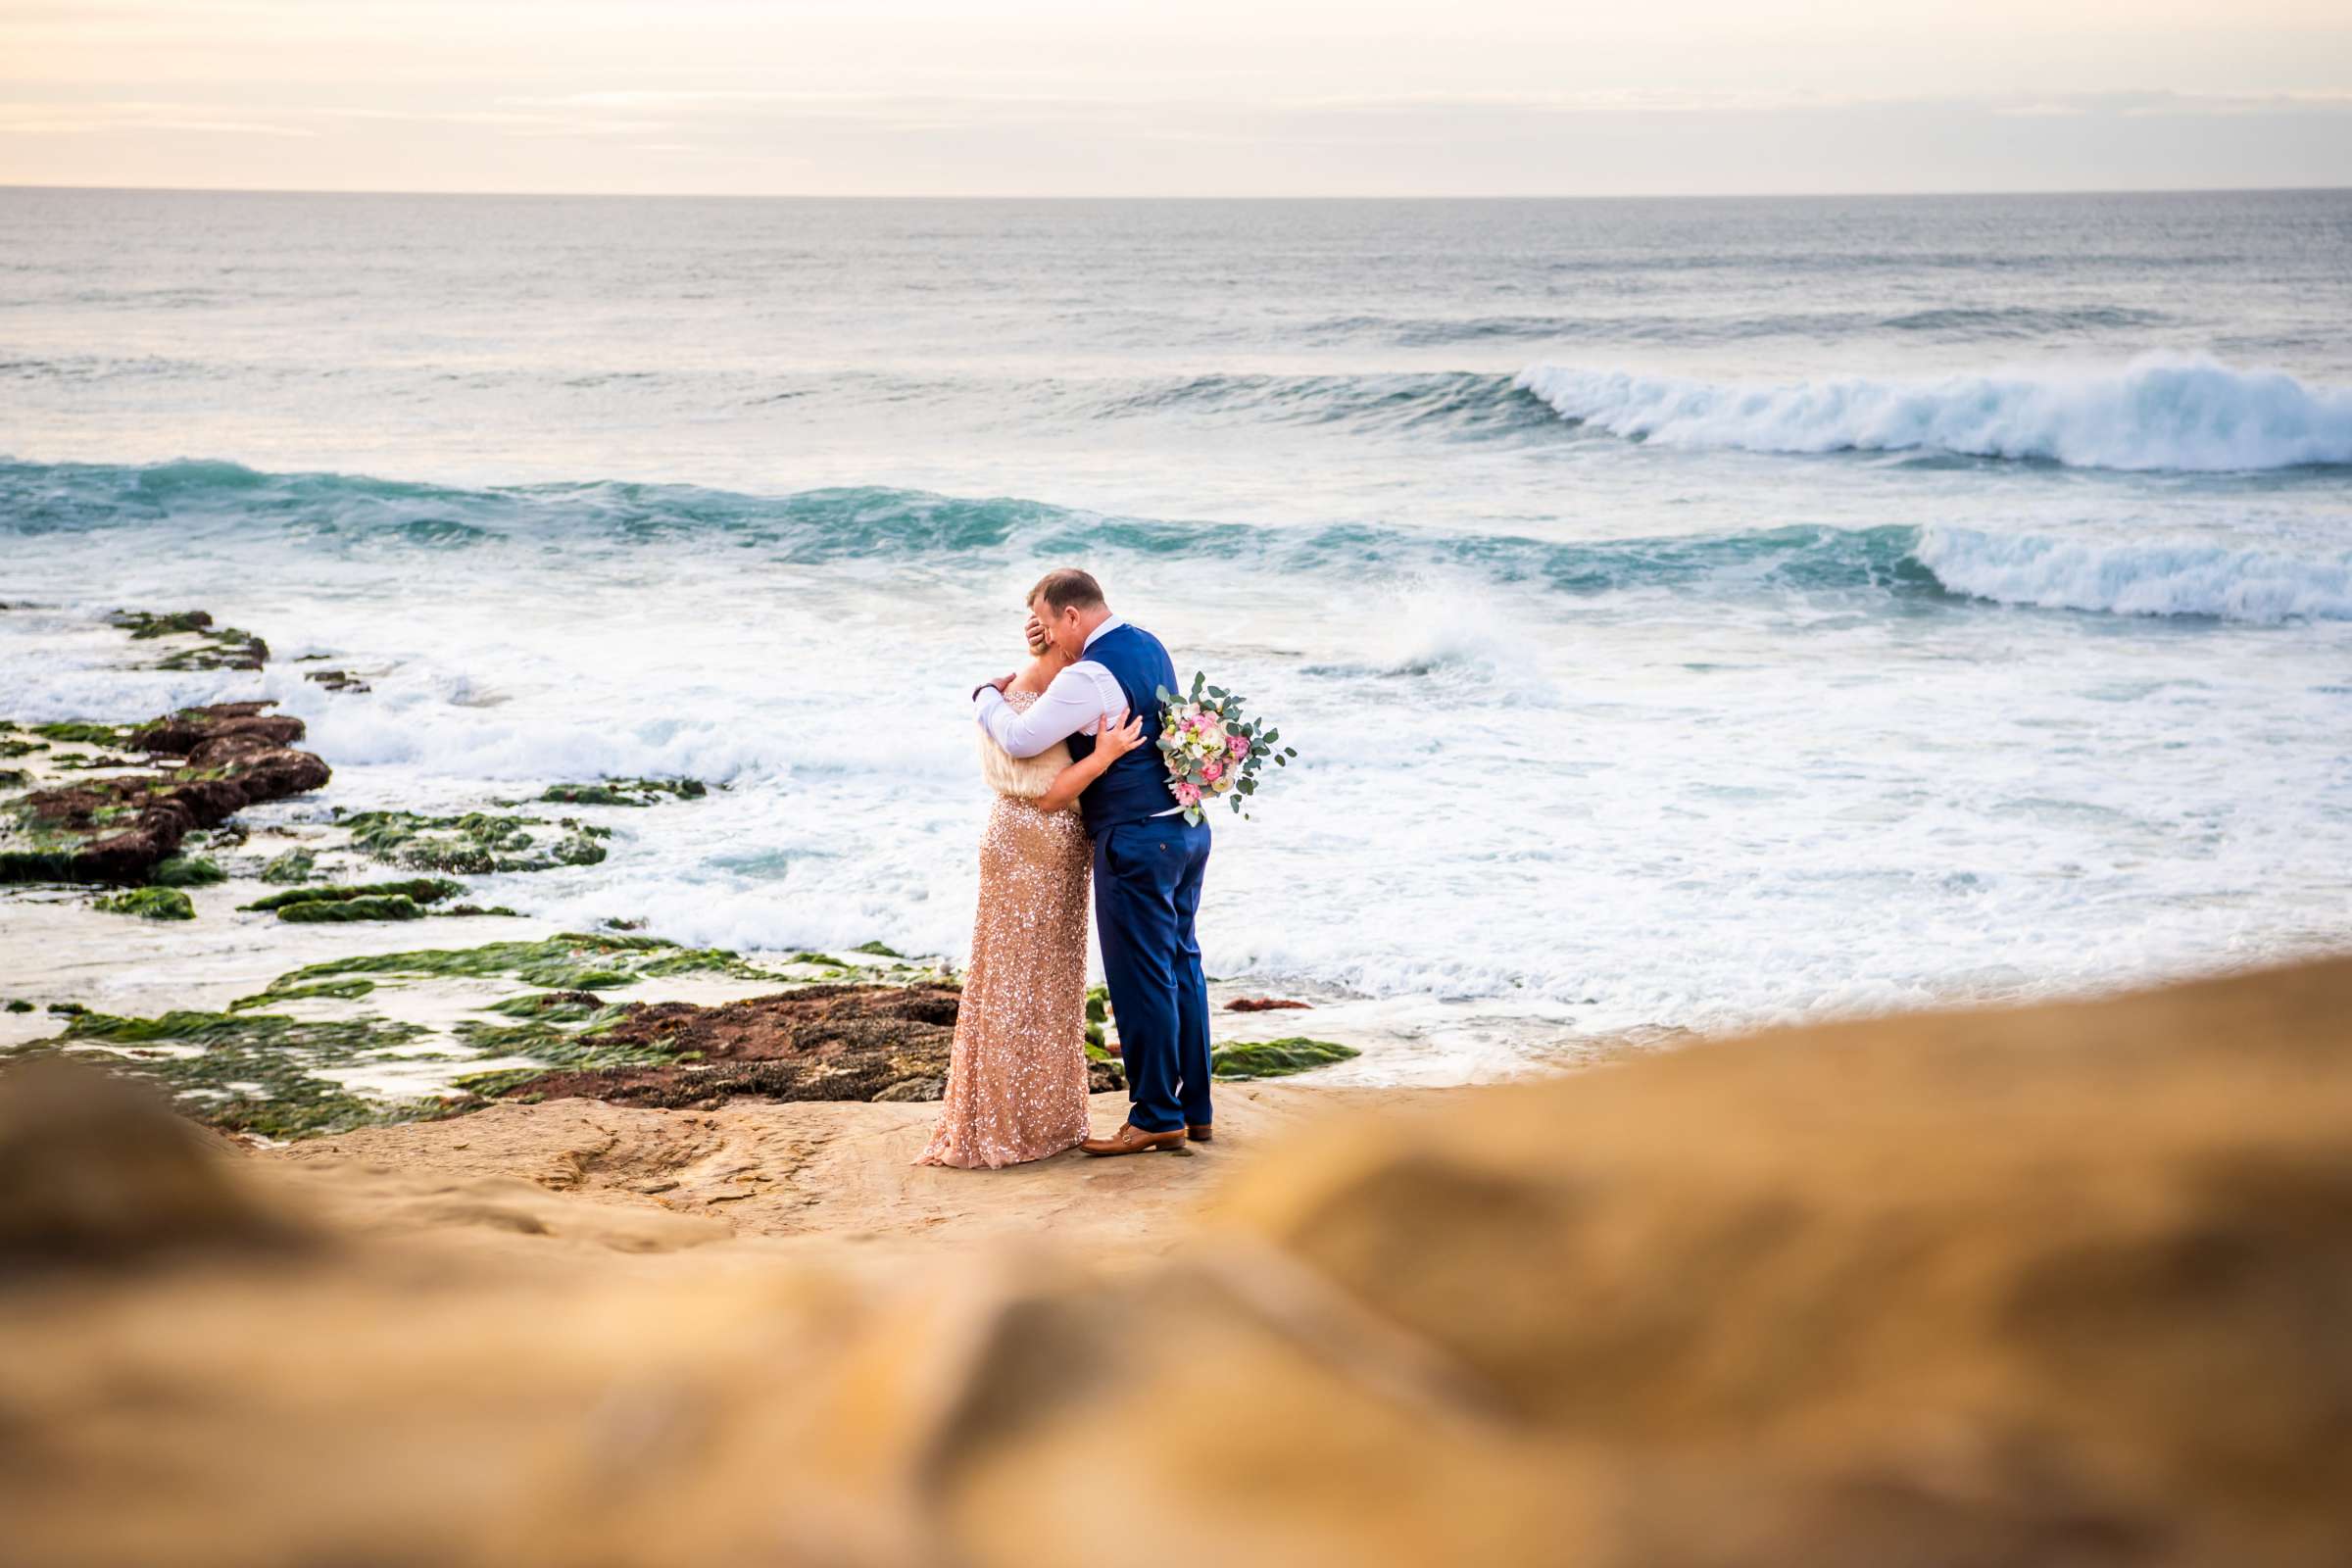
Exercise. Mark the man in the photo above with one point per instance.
(1148, 860)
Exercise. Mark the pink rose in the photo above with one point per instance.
(1187, 793)
(1238, 747)
(1212, 771)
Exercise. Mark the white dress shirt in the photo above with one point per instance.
(1081, 699)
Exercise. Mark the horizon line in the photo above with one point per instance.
(1026, 196)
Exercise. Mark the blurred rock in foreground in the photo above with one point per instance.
(2063, 1287)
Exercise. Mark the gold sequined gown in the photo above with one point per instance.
(1017, 1075)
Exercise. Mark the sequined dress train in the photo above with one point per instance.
(1018, 1074)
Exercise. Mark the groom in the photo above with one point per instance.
(1148, 860)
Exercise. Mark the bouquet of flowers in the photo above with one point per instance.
(1211, 749)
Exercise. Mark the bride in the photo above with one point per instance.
(1017, 1075)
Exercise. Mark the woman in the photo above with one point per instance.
(1018, 1076)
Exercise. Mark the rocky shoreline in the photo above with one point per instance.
(164, 821)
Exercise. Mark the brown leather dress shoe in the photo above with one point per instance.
(1133, 1139)
(1202, 1133)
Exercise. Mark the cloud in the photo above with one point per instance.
(86, 119)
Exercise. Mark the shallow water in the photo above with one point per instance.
(1689, 613)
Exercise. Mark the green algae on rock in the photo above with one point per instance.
(366, 906)
(295, 866)
(420, 890)
(185, 871)
(475, 844)
(150, 903)
(143, 624)
(216, 647)
(825, 1042)
(576, 960)
(37, 865)
(78, 732)
(323, 991)
(256, 1072)
(626, 792)
(1276, 1058)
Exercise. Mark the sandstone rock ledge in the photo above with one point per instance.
(2067, 1285)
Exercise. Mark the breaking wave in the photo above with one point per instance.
(2162, 414)
(2186, 578)
(190, 500)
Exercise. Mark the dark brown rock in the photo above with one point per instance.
(1261, 1004)
(234, 760)
(843, 1042)
(182, 733)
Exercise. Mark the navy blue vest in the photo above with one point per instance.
(1136, 786)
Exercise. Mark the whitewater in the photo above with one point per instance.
(1690, 615)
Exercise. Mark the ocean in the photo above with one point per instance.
(1690, 615)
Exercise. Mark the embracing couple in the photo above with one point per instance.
(1078, 727)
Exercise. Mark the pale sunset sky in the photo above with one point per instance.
(1210, 97)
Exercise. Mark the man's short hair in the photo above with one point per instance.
(1067, 588)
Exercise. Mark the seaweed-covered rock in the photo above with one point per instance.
(143, 624)
(419, 890)
(365, 906)
(1277, 1058)
(820, 1042)
(150, 904)
(823, 1041)
(295, 866)
(251, 1071)
(185, 871)
(118, 828)
(182, 732)
(214, 648)
(576, 960)
(475, 844)
(626, 792)
(81, 732)
(322, 990)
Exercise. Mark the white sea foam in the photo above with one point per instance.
(2187, 577)
(2158, 412)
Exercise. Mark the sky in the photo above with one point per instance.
(1205, 98)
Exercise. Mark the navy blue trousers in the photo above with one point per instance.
(1147, 878)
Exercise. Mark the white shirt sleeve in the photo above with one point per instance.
(1080, 700)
